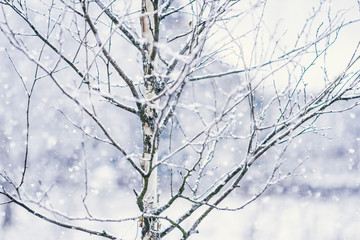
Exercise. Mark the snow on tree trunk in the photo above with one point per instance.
(149, 25)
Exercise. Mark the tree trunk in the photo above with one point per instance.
(149, 25)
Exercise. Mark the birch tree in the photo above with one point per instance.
(205, 90)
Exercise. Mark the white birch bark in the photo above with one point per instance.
(150, 152)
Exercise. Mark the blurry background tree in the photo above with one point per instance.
(169, 106)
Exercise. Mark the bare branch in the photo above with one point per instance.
(64, 225)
